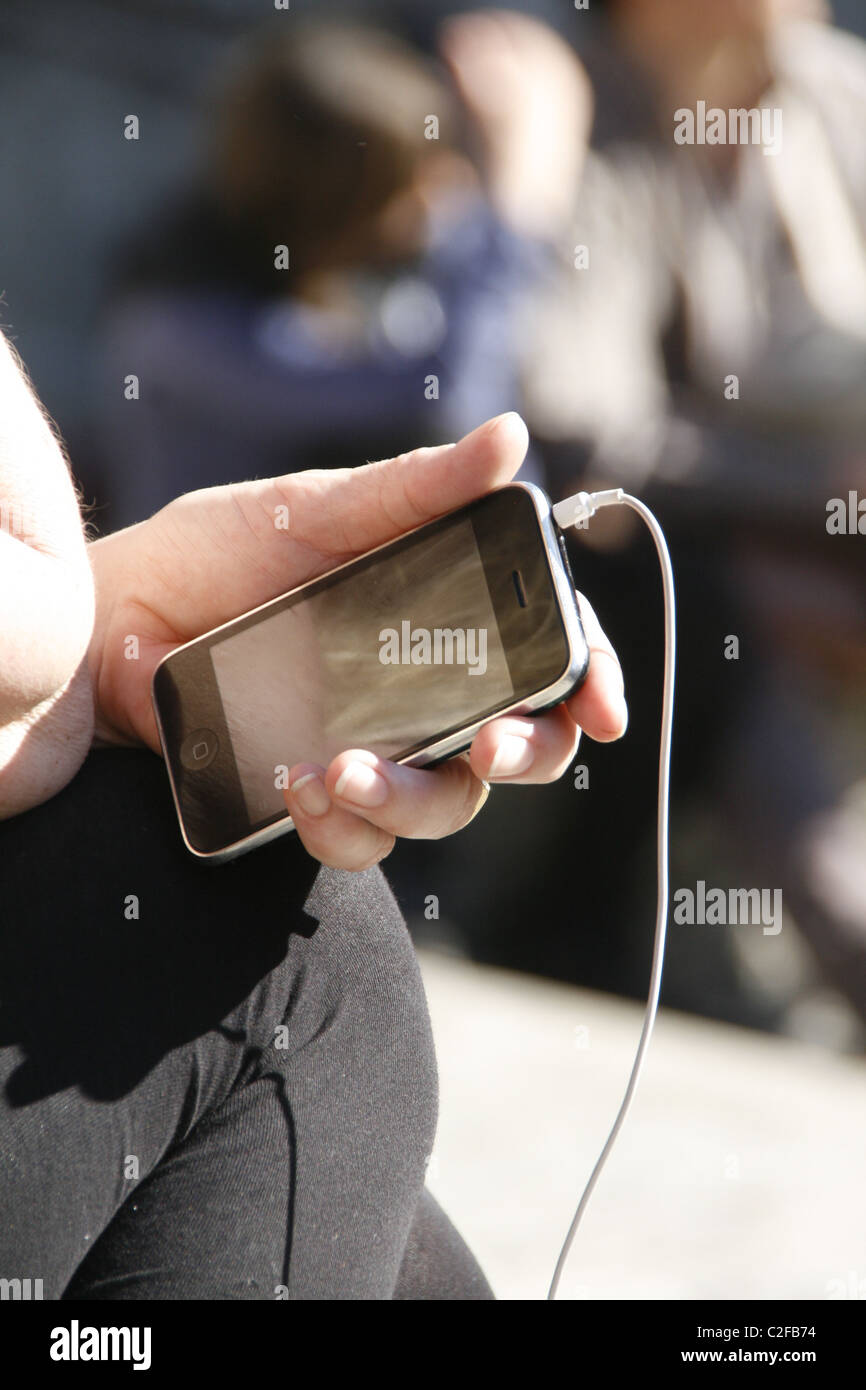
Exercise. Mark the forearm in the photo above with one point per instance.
(46, 604)
(46, 616)
(41, 752)
(46, 590)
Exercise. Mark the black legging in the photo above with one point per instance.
(217, 1082)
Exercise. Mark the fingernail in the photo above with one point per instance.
(362, 785)
(311, 795)
(513, 755)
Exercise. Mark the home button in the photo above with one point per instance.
(199, 749)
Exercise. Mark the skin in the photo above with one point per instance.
(65, 678)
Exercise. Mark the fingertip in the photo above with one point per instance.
(618, 728)
(512, 426)
(307, 792)
(599, 705)
(507, 432)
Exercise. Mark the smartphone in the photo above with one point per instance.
(405, 651)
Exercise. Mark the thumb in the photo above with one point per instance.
(355, 509)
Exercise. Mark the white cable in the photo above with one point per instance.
(571, 512)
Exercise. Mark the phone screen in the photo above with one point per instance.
(387, 658)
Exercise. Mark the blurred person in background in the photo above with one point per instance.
(712, 356)
(388, 315)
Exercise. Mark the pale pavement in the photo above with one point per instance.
(740, 1173)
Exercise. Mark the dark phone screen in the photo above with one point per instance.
(387, 658)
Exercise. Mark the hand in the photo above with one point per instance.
(530, 97)
(211, 555)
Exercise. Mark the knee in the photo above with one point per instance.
(360, 998)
